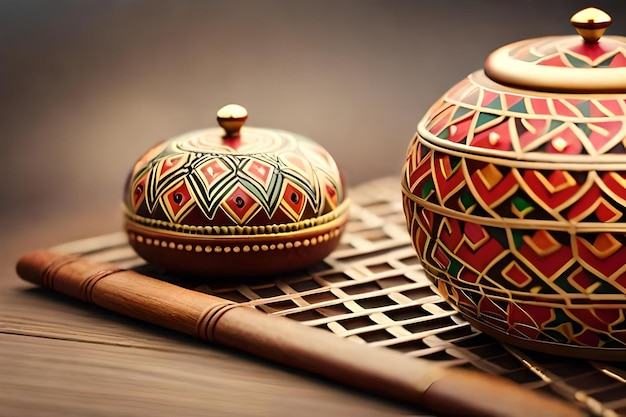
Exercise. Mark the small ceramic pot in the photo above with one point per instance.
(240, 201)
(514, 190)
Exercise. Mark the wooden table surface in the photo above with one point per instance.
(61, 357)
(82, 80)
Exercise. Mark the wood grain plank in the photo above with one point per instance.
(37, 312)
(48, 377)
(63, 357)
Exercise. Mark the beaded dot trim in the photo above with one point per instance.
(240, 230)
(236, 248)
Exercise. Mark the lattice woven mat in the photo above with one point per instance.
(373, 290)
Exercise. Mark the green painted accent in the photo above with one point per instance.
(554, 124)
(578, 63)
(457, 165)
(523, 206)
(585, 108)
(606, 62)
(445, 133)
(564, 285)
(460, 112)
(606, 288)
(585, 128)
(454, 268)
(519, 107)
(562, 317)
(467, 200)
(495, 104)
(428, 187)
(518, 238)
(485, 118)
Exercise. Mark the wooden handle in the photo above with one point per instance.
(446, 391)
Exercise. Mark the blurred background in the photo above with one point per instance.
(86, 86)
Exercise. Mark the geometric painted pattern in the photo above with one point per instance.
(516, 205)
(572, 53)
(548, 286)
(372, 290)
(262, 177)
(479, 114)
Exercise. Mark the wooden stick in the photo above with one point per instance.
(446, 391)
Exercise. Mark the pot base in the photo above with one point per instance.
(235, 255)
(557, 349)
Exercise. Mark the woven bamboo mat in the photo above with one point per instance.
(373, 290)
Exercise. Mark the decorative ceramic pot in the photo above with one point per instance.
(514, 191)
(241, 201)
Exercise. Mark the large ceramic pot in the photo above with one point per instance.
(514, 191)
(240, 201)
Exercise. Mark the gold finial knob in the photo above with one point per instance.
(231, 118)
(590, 23)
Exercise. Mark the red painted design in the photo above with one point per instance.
(540, 106)
(139, 191)
(488, 97)
(511, 100)
(616, 184)
(492, 195)
(533, 133)
(498, 137)
(213, 170)
(560, 163)
(421, 174)
(331, 194)
(178, 201)
(458, 131)
(441, 258)
(550, 190)
(260, 171)
(615, 107)
(619, 61)
(170, 165)
(603, 133)
(449, 179)
(588, 337)
(590, 50)
(240, 204)
(442, 121)
(517, 275)
(476, 257)
(562, 109)
(293, 201)
(604, 260)
(548, 264)
(585, 204)
(554, 61)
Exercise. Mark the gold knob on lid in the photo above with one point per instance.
(590, 23)
(232, 118)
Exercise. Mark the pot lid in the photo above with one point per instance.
(234, 176)
(589, 63)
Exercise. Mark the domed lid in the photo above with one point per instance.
(235, 177)
(588, 63)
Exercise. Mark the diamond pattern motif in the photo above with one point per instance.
(293, 201)
(192, 181)
(177, 201)
(240, 205)
(515, 205)
(608, 53)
